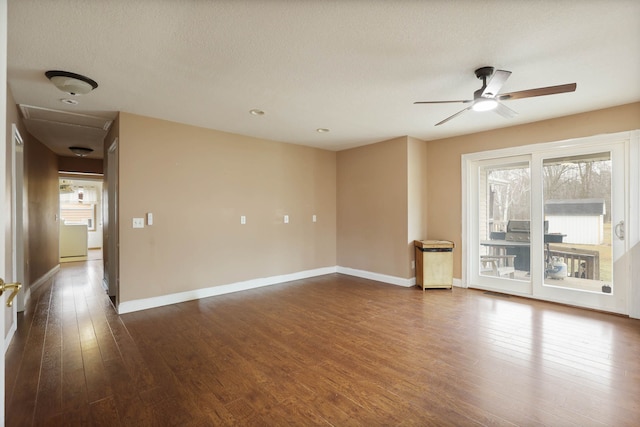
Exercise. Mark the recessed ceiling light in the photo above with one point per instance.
(69, 101)
(256, 112)
(322, 130)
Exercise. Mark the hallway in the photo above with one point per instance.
(69, 324)
(331, 350)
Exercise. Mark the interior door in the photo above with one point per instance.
(4, 257)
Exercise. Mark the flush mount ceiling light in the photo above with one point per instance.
(71, 83)
(81, 151)
(484, 104)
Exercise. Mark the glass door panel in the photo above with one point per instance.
(582, 201)
(504, 212)
(577, 212)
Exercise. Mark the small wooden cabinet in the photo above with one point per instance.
(434, 263)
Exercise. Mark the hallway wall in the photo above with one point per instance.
(41, 205)
(41, 176)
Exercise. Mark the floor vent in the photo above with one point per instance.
(497, 294)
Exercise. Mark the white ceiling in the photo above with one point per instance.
(355, 67)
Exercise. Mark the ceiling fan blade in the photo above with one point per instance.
(541, 91)
(495, 84)
(505, 111)
(452, 117)
(465, 101)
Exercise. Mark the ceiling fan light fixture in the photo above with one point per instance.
(71, 83)
(81, 151)
(484, 104)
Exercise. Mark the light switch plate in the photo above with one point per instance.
(243, 219)
(286, 219)
(314, 218)
(138, 222)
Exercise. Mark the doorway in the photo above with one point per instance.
(111, 265)
(549, 223)
(81, 236)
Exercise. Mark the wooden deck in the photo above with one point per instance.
(568, 282)
(333, 351)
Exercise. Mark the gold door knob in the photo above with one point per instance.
(15, 287)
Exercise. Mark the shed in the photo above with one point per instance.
(581, 220)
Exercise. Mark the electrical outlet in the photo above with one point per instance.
(413, 265)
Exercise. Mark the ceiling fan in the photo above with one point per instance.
(487, 97)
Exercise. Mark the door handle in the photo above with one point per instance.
(15, 288)
(619, 230)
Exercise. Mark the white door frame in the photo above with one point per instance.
(4, 257)
(17, 219)
(631, 210)
(112, 267)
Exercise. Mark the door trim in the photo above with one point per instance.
(17, 216)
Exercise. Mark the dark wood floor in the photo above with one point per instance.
(333, 350)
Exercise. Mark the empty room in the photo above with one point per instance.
(320, 213)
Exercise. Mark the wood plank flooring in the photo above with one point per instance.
(333, 350)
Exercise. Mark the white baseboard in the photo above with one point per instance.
(48, 275)
(399, 281)
(458, 283)
(146, 303)
(159, 301)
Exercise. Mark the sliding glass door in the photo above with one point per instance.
(550, 224)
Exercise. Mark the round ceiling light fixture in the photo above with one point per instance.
(484, 104)
(71, 83)
(81, 151)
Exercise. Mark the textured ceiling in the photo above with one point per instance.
(354, 67)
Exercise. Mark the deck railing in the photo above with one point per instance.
(581, 263)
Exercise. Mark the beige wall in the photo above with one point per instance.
(417, 194)
(40, 184)
(444, 212)
(382, 199)
(41, 180)
(197, 183)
